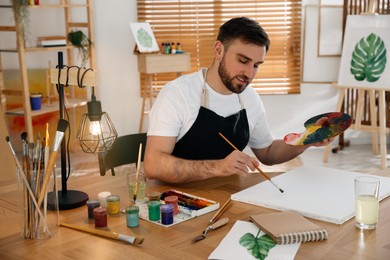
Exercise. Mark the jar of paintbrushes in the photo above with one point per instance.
(37, 189)
(37, 183)
(38, 219)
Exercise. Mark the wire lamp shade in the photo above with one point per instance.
(96, 132)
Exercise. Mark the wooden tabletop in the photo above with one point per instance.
(345, 241)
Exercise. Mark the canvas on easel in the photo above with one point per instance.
(365, 55)
(144, 38)
(365, 68)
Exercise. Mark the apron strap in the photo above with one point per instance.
(204, 99)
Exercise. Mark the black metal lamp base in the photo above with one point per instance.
(72, 199)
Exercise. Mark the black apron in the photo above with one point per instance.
(202, 140)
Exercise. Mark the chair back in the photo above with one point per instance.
(123, 151)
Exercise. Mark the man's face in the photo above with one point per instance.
(239, 65)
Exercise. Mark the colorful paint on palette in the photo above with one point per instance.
(187, 201)
(337, 123)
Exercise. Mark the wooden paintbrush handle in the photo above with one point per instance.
(98, 232)
(221, 211)
(49, 171)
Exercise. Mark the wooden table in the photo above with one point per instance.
(345, 241)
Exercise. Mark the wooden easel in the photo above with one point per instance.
(373, 128)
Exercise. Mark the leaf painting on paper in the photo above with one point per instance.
(369, 58)
(144, 38)
(258, 247)
(337, 123)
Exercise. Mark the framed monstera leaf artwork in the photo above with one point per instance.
(144, 38)
(365, 60)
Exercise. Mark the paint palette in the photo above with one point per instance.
(190, 206)
(337, 123)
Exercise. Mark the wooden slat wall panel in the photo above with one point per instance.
(195, 25)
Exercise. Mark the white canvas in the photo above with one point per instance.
(316, 192)
(358, 27)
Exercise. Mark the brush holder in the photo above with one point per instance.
(36, 224)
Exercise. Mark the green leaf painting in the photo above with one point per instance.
(258, 247)
(369, 58)
(144, 38)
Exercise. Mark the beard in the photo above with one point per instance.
(228, 80)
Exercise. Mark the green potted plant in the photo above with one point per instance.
(82, 42)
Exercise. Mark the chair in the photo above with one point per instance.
(123, 151)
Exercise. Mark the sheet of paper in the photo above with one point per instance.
(316, 192)
(231, 249)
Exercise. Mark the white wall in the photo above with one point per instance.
(119, 81)
(119, 78)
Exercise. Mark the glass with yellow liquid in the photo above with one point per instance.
(366, 202)
(136, 184)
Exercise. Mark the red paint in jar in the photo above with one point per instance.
(100, 216)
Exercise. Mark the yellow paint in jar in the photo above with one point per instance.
(113, 206)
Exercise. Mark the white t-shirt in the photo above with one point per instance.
(177, 106)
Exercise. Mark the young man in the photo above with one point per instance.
(183, 138)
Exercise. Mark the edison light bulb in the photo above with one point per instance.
(94, 128)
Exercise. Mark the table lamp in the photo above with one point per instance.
(96, 134)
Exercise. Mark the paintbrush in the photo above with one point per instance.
(257, 168)
(26, 183)
(220, 211)
(137, 173)
(61, 128)
(108, 234)
(46, 154)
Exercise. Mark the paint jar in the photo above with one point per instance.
(132, 216)
(154, 195)
(154, 210)
(113, 204)
(166, 214)
(102, 196)
(91, 204)
(174, 201)
(100, 216)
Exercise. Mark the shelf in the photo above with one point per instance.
(20, 47)
(57, 5)
(163, 63)
(42, 49)
(53, 107)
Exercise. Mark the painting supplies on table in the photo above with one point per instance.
(137, 173)
(29, 225)
(288, 227)
(108, 234)
(221, 211)
(61, 128)
(246, 241)
(189, 206)
(257, 168)
(210, 227)
(316, 192)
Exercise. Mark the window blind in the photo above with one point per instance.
(195, 25)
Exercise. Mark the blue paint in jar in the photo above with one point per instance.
(166, 214)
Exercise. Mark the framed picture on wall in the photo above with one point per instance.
(366, 50)
(144, 38)
(316, 68)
